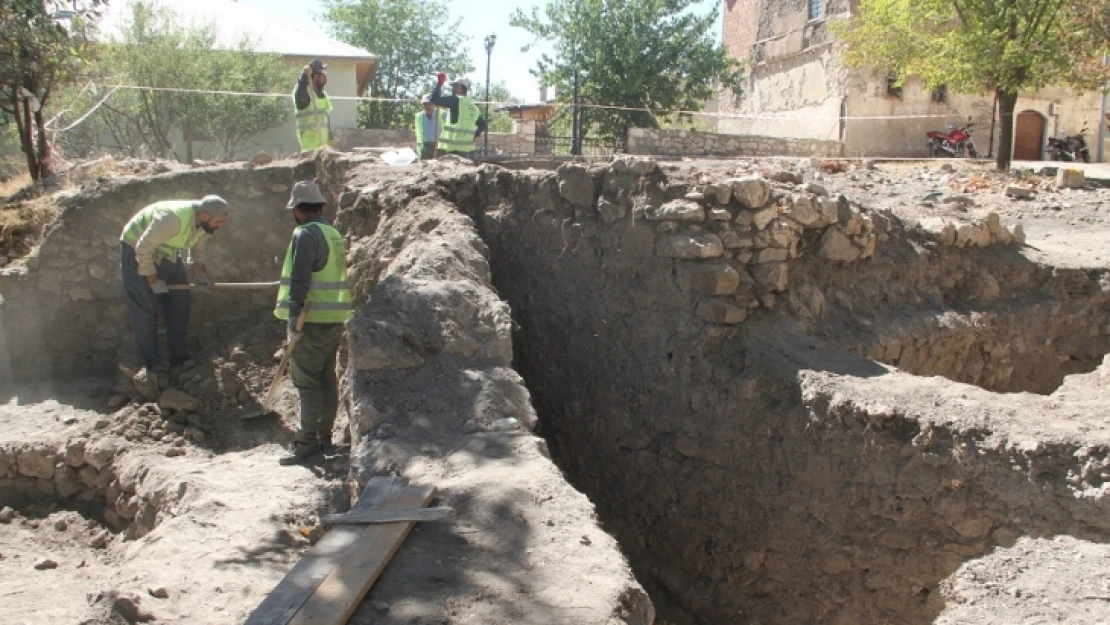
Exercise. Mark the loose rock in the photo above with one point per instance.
(176, 400)
(45, 564)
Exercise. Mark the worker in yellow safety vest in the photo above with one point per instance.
(313, 107)
(314, 275)
(152, 248)
(465, 122)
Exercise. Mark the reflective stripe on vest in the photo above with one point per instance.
(314, 122)
(329, 291)
(459, 137)
(187, 235)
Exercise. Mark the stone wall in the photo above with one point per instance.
(63, 308)
(434, 399)
(680, 326)
(646, 141)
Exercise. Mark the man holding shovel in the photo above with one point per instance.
(314, 299)
(152, 248)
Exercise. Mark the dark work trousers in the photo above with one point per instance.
(427, 151)
(313, 373)
(144, 305)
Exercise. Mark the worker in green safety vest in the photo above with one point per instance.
(152, 248)
(313, 107)
(314, 274)
(465, 122)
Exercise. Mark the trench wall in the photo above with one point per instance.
(63, 309)
(667, 350)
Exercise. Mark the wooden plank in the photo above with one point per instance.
(389, 516)
(337, 598)
(298, 585)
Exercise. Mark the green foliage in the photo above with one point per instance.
(41, 49)
(1007, 46)
(155, 50)
(499, 121)
(414, 39)
(653, 54)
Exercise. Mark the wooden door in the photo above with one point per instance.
(1029, 136)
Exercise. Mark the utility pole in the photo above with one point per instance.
(576, 131)
(490, 41)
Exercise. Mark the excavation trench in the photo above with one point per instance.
(774, 471)
(753, 385)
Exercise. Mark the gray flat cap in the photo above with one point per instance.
(305, 192)
(214, 205)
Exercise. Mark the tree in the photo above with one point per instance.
(42, 48)
(155, 50)
(653, 54)
(1007, 46)
(414, 39)
(499, 121)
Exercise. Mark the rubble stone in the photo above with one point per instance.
(713, 278)
(835, 245)
(751, 193)
(716, 311)
(174, 399)
(677, 210)
(772, 277)
(576, 185)
(689, 246)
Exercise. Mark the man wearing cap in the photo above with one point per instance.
(465, 123)
(314, 273)
(427, 127)
(152, 246)
(313, 107)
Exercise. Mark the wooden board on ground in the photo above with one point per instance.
(367, 517)
(294, 590)
(337, 597)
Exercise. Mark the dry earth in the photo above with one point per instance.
(190, 500)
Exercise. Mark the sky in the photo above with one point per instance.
(479, 18)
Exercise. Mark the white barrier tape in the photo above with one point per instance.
(753, 116)
(87, 114)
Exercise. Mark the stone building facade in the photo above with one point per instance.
(799, 87)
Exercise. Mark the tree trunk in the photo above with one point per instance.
(46, 162)
(1007, 102)
(26, 142)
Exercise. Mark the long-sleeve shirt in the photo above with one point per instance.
(451, 102)
(301, 97)
(310, 254)
(163, 228)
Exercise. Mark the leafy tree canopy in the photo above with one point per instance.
(413, 39)
(1008, 46)
(654, 54)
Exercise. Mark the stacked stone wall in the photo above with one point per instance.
(63, 307)
(653, 142)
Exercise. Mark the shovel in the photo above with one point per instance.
(226, 285)
(256, 412)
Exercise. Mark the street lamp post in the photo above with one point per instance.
(490, 41)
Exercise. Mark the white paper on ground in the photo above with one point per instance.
(398, 158)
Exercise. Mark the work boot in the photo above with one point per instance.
(325, 442)
(298, 453)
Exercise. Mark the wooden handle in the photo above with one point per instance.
(301, 317)
(228, 285)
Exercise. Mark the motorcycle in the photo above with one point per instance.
(957, 143)
(1069, 149)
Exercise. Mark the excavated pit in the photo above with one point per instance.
(767, 393)
(711, 375)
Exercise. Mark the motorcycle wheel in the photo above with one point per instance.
(935, 151)
(1085, 157)
(972, 152)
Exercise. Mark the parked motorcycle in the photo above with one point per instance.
(1069, 149)
(956, 143)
